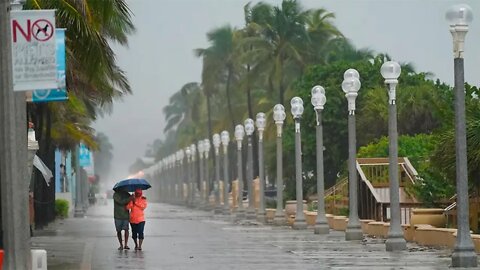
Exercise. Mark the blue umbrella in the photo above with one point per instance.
(131, 185)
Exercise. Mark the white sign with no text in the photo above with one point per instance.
(33, 50)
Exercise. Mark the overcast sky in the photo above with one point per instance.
(160, 59)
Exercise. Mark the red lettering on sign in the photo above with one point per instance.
(17, 27)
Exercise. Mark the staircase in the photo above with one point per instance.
(374, 190)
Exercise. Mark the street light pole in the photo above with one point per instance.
(318, 101)
(206, 143)
(78, 186)
(297, 111)
(200, 147)
(279, 116)
(193, 168)
(261, 123)
(459, 16)
(189, 174)
(351, 85)
(216, 145)
(225, 137)
(391, 71)
(249, 128)
(239, 134)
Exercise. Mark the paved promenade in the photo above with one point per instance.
(178, 238)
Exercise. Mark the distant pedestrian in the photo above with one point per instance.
(121, 215)
(137, 217)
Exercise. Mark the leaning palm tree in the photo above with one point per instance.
(93, 77)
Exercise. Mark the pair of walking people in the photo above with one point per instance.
(129, 209)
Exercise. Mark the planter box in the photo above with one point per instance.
(291, 207)
(330, 220)
(408, 232)
(476, 242)
(340, 223)
(386, 228)
(419, 236)
(310, 217)
(432, 216)
(290, 220)
(364, 224)
(376, 229)
(270, 214)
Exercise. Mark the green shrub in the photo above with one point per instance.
(61, 208)
(343, 211)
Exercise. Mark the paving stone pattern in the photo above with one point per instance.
(178, 238)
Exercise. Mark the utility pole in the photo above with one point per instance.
(13, 161)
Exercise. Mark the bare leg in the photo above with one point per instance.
(119, 236)
(126, 238)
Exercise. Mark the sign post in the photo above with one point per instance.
(34, 60)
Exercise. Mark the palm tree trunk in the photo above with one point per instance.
(229, 101)
(252, 116)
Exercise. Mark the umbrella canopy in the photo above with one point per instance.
(131, 185)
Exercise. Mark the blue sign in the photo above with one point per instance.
(59, 94)
(85, 156)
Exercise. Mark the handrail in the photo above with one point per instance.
(365, 180)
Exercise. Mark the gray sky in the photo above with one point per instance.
(160, 56)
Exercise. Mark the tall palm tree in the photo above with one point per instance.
(220, 61)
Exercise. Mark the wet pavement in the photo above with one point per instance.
(181, 238)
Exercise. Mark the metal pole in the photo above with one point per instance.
(207, 183)
(240, 210)
(353, 231)
(200, 169)
(218, 206)
(13, 146)
(300, 223)
(226, 207)
(193, 180)
(251, 206)
(395, 239)
(279, 215)
(321, 224)
(464, 253)
(261, 171)
(78, 186)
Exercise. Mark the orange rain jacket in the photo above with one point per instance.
(136, 208)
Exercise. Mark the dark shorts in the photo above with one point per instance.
(137, 230)
(121, 224)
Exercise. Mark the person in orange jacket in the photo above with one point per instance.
(137, 218)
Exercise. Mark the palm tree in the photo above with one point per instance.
(94, 80)
(220, 61)
(179, 110)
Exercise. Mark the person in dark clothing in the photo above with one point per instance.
(121, 215)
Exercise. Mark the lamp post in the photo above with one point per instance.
(193, 168)
(249, 128)
(459, 16)
(391, 71)
(79, 211)
(216, 145)
(318, 101)
(279, 116)
(297, 110)
(188, 153)
(201, 149)
(178, 157)
(225, 137)
(351, 85)
(206, 144)
(261, 122)
(239, 134)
